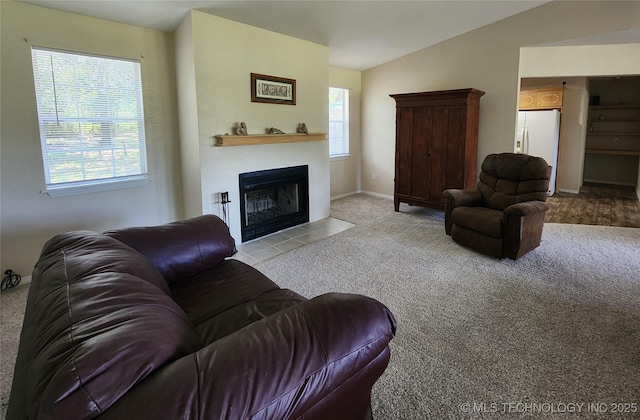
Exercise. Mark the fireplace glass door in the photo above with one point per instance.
(270, 203)
(273, 200)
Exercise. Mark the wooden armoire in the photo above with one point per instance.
(436, 145)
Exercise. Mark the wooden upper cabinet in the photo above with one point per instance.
(545, 98)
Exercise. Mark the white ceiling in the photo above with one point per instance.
(359, 34)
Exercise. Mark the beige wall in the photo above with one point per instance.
(345, 171)
(28, 217)
(486, 59)
(575, 111)
(579, 60)
(214, 93)
(188, 118)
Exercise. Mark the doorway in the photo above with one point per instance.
(612, 148)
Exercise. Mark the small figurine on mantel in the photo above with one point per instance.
(302, 128)
(241, 129)
(274, 130)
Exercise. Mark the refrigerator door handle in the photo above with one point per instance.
(525, 140)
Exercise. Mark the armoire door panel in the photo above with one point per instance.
(404, 150)
(421, 144)
(456, 147)
(439, 152)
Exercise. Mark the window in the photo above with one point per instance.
(91, 122)
(338, 122)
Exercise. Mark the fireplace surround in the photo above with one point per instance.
(272, 200)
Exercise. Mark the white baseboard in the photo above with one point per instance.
(566, 190)
(371, 193)
(345, 195)
(598, 181)
(375, 194)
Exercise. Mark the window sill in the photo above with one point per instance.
(340, 157)
(93, 187)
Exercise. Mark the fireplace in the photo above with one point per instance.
(273, 200)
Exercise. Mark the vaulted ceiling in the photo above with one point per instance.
(359, 34)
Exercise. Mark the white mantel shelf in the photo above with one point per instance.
(253, 139)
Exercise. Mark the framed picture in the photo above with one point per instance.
(272, 90)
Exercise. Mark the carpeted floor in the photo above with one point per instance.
(477, 337)
(485, 338)
(12, 304)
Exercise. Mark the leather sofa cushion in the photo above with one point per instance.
(228, 297)
(480, 219)
(246, 313)
(181, 249)
(99, 326)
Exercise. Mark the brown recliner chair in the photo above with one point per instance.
(504, 216)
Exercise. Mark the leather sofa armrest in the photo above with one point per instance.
(183, 248)
(526, 208)
(278, 367)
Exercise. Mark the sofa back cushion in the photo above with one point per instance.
(510, 178)
(95, 326)
(181, 249)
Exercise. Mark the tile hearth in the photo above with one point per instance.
(266, 247)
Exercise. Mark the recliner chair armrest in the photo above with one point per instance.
(526, 208)
(458, 197)
(523, 223)
(463, 197)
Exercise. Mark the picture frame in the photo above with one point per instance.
(272, 89)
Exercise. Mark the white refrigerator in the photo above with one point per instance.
(537, 134)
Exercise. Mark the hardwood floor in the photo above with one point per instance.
(597, 204)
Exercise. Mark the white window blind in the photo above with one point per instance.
(91, 119)
(338, 122)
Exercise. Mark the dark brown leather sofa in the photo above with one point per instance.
(156, 323)
(504, 216)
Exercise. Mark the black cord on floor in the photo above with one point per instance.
(10, 280)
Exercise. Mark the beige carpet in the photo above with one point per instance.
(495, 337)
(485, 338)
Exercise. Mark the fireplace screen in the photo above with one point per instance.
(273, 200)
(270, 203)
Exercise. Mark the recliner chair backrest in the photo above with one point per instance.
(510, 178)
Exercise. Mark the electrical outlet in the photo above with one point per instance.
(373, 176)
